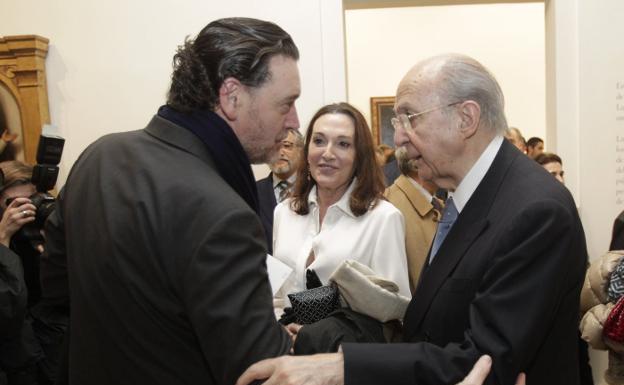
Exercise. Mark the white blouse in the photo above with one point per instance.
(376, 239)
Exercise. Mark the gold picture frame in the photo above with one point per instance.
(23, 93)
(381, 114)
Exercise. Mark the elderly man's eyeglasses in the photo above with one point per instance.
(404, 121)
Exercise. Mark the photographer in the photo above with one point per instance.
(24, 354)
(17, 210)
(12, 306)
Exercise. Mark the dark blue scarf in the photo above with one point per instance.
(226, 150)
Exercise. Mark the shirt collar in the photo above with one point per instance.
(420, 188)
(343, 203)
(290, 180)
(471, 181)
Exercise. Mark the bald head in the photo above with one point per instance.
(449, 108)
(455, 78)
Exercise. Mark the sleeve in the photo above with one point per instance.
(13, 293)
(389, 258)
(535, 274)
(226, 292)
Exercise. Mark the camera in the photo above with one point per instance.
(44, 176)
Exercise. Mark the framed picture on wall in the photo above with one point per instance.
(381, 113)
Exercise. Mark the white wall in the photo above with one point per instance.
(586, 114)
(588, 64)
(109, 62)
(383, 43)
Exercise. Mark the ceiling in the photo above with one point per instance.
(363, 4)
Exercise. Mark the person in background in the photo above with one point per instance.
(414, 197)
(617, 233)
(15, 205)
(514, 135)
(535, 147)
(386, 159)
(278, 184)
(553, 164)
(36, 349)
(21, 361)
(13, 308)
(156, 238)
(15, 367)
(337, 211)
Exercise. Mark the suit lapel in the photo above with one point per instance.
(470, 224)
(265, 190)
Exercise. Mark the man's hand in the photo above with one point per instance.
(319, 369)
(328, 369)
(480, 371)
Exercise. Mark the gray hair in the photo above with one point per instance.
(298, 137)
(463, 78)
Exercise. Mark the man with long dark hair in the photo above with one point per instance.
(164, 249)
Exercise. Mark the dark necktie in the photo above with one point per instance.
(449, 215)
(283, 188)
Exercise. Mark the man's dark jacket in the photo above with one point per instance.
(167, 273)
(505, 282)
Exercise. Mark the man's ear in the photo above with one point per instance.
(470, 117)
(229, 94)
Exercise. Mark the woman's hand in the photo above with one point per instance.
(19, 212)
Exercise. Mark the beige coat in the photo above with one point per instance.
(595, 309)
(421, 220)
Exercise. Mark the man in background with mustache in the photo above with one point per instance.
(275, 188)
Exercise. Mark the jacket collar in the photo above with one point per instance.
(415, 197)
(178, 137)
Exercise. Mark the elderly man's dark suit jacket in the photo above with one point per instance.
(167, 272)
(266, 198)
(505, 282)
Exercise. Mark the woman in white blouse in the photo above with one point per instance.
(337, 211)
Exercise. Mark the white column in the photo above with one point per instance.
(585, 114)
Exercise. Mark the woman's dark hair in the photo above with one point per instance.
(234, 47)
(548, 157)
(370, 185)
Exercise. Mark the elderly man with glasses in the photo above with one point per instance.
(505, 270)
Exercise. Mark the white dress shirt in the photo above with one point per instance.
(376, 239)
